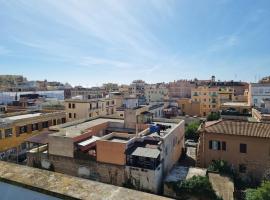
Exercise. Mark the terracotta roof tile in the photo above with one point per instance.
(252, 129)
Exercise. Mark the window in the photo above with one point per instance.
(8, 132)
(45, 124)
(54, 122)
(73, 105)
(224, 147)
(23, 129)
(242, 168)
(74, 115)
(23, 146)
(69, 105)
(63, 120)
(215, 145)
(35, 127)
(69, 115)
(243, 148)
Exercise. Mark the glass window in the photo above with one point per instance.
(8, 132)
(35, 127)
(243, 148)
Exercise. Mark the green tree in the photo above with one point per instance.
(197, 186)
(213, 116)
(222, 167)
(191, 131)
(261, 193)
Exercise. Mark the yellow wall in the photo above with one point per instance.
(208, 98)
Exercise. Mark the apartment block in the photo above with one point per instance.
(207, 97)
(257, 93)
(81, 109)
(180, 89)
(244, 145)
(155, 92)
(137, 88)
(16, 127)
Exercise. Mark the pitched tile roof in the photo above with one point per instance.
(242, 128)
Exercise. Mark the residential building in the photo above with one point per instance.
(207, 97)
(88, 148)
(17, 126)
(180, 89)
(244, 145)
(110, 87)
(155, 92)
(131, 102)
(81, 109)
(189, 107)
(85, 93)
(137, 88)
(257, 93)
(157, 110)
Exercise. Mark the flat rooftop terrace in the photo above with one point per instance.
(164, 132)
(75, 129)
(18, 117)
(64, 186)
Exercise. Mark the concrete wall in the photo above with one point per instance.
(144, 179)
(89, 169)
(172, 146)
(257, 158)
(61, 146)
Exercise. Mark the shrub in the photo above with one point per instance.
(222, 167)
(197, 186)
(213, 116)
(261, 193)
(191, 131)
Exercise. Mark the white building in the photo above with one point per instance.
(257, 93)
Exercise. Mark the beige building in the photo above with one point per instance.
(80, 109)
(244, 145)
(155, 92)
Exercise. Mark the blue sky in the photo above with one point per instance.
(89, 42)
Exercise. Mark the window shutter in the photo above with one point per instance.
(224, 146)
(218, 145)
(210, 144)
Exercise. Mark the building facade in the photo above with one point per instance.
(208, 99)
(81, 109)
(257, 93)
(180, 89)
(244, 145)
(155, 92)
(16, 127)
